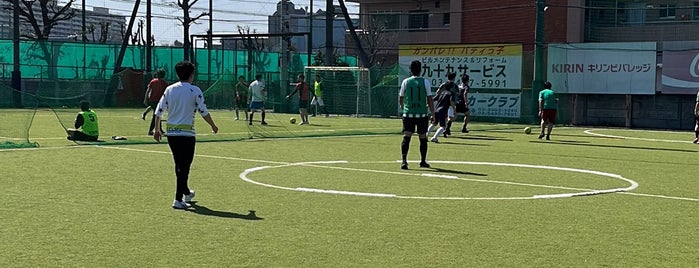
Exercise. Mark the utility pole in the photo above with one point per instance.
(16, 74)
(310, 33)
(284, 46)
(538, 83)
(84, 38)
(209, 39)
(329, 23)
(149, 40)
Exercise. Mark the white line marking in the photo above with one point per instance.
(343, 192)
(589, 132)
(244, 174)
(439, 176)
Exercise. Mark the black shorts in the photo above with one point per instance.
(461, 107)
(421, 123)
(242, 103)
(303, 104)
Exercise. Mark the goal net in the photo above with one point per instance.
(345, 90)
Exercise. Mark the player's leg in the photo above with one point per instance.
(467, 119)
(441, 120)
(263, 114)
(551, 114)
(322, 105)
(422, 134)
(183, 153)
(314, 104)
(450, 118)
(543, 124)
(145, 112)
(408, 130)
(237, 105)
(696, 129)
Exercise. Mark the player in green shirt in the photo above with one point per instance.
(415, 97)
(548, 106)
(86, 125)
(318, 98)
(241, 97)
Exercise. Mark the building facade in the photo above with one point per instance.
(288, 18)
(99, 24)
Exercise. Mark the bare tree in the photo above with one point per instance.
(353, 33)
(254, 45)
(187, 21)
(376, 40)
(42, 24)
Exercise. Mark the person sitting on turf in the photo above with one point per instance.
(86, 125)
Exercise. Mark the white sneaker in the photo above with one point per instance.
(180, 205)
(435, 140)
(188, 197)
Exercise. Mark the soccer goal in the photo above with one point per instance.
(346, 90)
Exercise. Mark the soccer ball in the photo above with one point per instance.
(292, 120)
(528, 130)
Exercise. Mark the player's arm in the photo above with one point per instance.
(158, 115)
(541, 101)
(696, 109)
(401, 95)
(147, 95)
(79, 121)
(293, 92)
(430, 99)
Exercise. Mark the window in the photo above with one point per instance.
(695, 10)
(446, 20)
(667, 10)
(391, 20)
(418, 19)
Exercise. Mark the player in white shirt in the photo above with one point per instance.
(181, 100)
(259, 95)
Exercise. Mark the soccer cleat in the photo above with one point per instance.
(447, 132)
(180, 205)
(250, 123)
(236, 119)
(404, 165)
(696, 140)
(150, 133)
(435, 140)
(188, 197)
(143, 116)
(424, 164)
(263, 123)
(548, 137)
(541, 135)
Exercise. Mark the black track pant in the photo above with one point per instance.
(183, 153)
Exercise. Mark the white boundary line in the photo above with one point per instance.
(281, 164)
(590, 132)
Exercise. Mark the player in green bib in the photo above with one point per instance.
(318, 98)
(415, 99)
(548, 106)
(86, 125)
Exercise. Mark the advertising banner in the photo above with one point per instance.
(680, 72)
(488, 66)
(495, 105)
(602, 68)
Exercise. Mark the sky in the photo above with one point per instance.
(227, 14)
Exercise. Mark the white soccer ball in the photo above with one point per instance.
(528, 130)
(292, 120)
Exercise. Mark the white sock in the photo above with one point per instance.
(439, 132)
(429, 129)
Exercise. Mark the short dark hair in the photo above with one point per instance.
(302, 76)
(451, 75)
(415, 67)
(184, 69)
(258, 77)
(243, 77)
(84, 105)
(465, 79)
(160, 73)
(547, 85)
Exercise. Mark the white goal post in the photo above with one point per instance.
(346, 90)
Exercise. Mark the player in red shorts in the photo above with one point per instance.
(548, 106)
